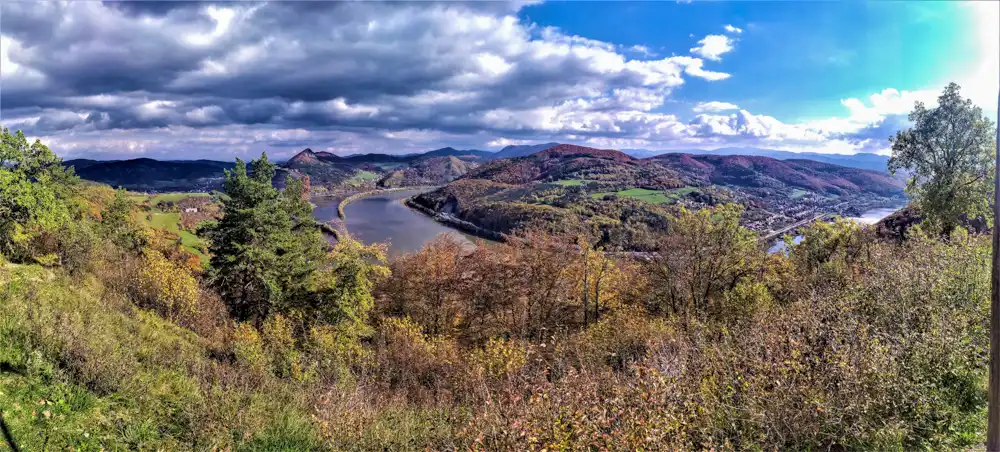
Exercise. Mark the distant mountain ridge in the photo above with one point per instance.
(862, 160)
(766, 172)
(328, 169)
(145, 174)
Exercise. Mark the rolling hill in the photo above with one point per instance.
(863, 160)
(145, 174)
(428, 171)
(627, 201)
(513, 151)
(765, 172)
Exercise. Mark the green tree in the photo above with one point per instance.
(34, 190)
(342, 292)
(265, 246)
(949, 155)
(119, 225)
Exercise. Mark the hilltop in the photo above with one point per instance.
(861, 160)
(431, 168)
(428, 171)
(766, 172)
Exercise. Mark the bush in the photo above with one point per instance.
(166, 287)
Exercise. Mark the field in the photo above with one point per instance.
(170, 197)
(361, 177)
(650, 196)
(170, 221)
(798, 193)
(572, 182)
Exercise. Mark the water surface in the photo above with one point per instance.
(384, 218)
(868, 217)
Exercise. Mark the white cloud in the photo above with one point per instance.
(713, 46)
(733, 29)
(714, 106)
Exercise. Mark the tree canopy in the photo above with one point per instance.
(949, 155)
(266, 244)
(34, 189)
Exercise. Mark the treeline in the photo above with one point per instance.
(112, 337)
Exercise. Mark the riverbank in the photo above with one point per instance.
(456, 223)
(344, 202)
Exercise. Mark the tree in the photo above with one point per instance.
(34, 193)
(706, 253)
(118, 224)
(341, 293)
(949, 155)
(427, 286)
(265, 246)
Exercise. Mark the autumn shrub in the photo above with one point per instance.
(620, 339)
(422, 367)
(166, 287)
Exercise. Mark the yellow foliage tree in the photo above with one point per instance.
(166, 286)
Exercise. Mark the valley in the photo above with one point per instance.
(620, 201)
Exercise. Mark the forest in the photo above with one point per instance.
(114, 336)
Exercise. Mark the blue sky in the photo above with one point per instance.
(203, 80)
(794, 60)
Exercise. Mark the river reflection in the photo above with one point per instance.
(384, 218)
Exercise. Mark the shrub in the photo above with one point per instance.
(166, 286)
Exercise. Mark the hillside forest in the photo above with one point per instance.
(115, 334)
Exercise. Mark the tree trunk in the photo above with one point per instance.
(993, 429)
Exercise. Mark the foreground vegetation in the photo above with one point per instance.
(114, 336)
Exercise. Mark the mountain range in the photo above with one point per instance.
(434, 167)
(862, 160)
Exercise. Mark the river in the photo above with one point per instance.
(868, 217)
(384, 218)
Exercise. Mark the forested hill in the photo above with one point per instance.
(145, 174)
(755, 171)
(626, 199)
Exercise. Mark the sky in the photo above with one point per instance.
(190, 80)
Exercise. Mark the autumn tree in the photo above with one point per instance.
(706, 253)
(341, 293)
(598, 279)
(948, 153)
(426, 286)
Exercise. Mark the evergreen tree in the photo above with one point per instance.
(265, 246)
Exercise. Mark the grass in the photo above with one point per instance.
(171, 197)
(572, 182)
(650, 196)
(798, 193)
(170, 222)
(361, 177)
(82, 372)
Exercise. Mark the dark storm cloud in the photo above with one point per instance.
(349, 73)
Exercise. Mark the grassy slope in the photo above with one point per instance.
(361, 177)
(89, 373)
(650, 196)
(572, 182)
(170, 221)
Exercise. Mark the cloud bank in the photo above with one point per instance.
(200, 80)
